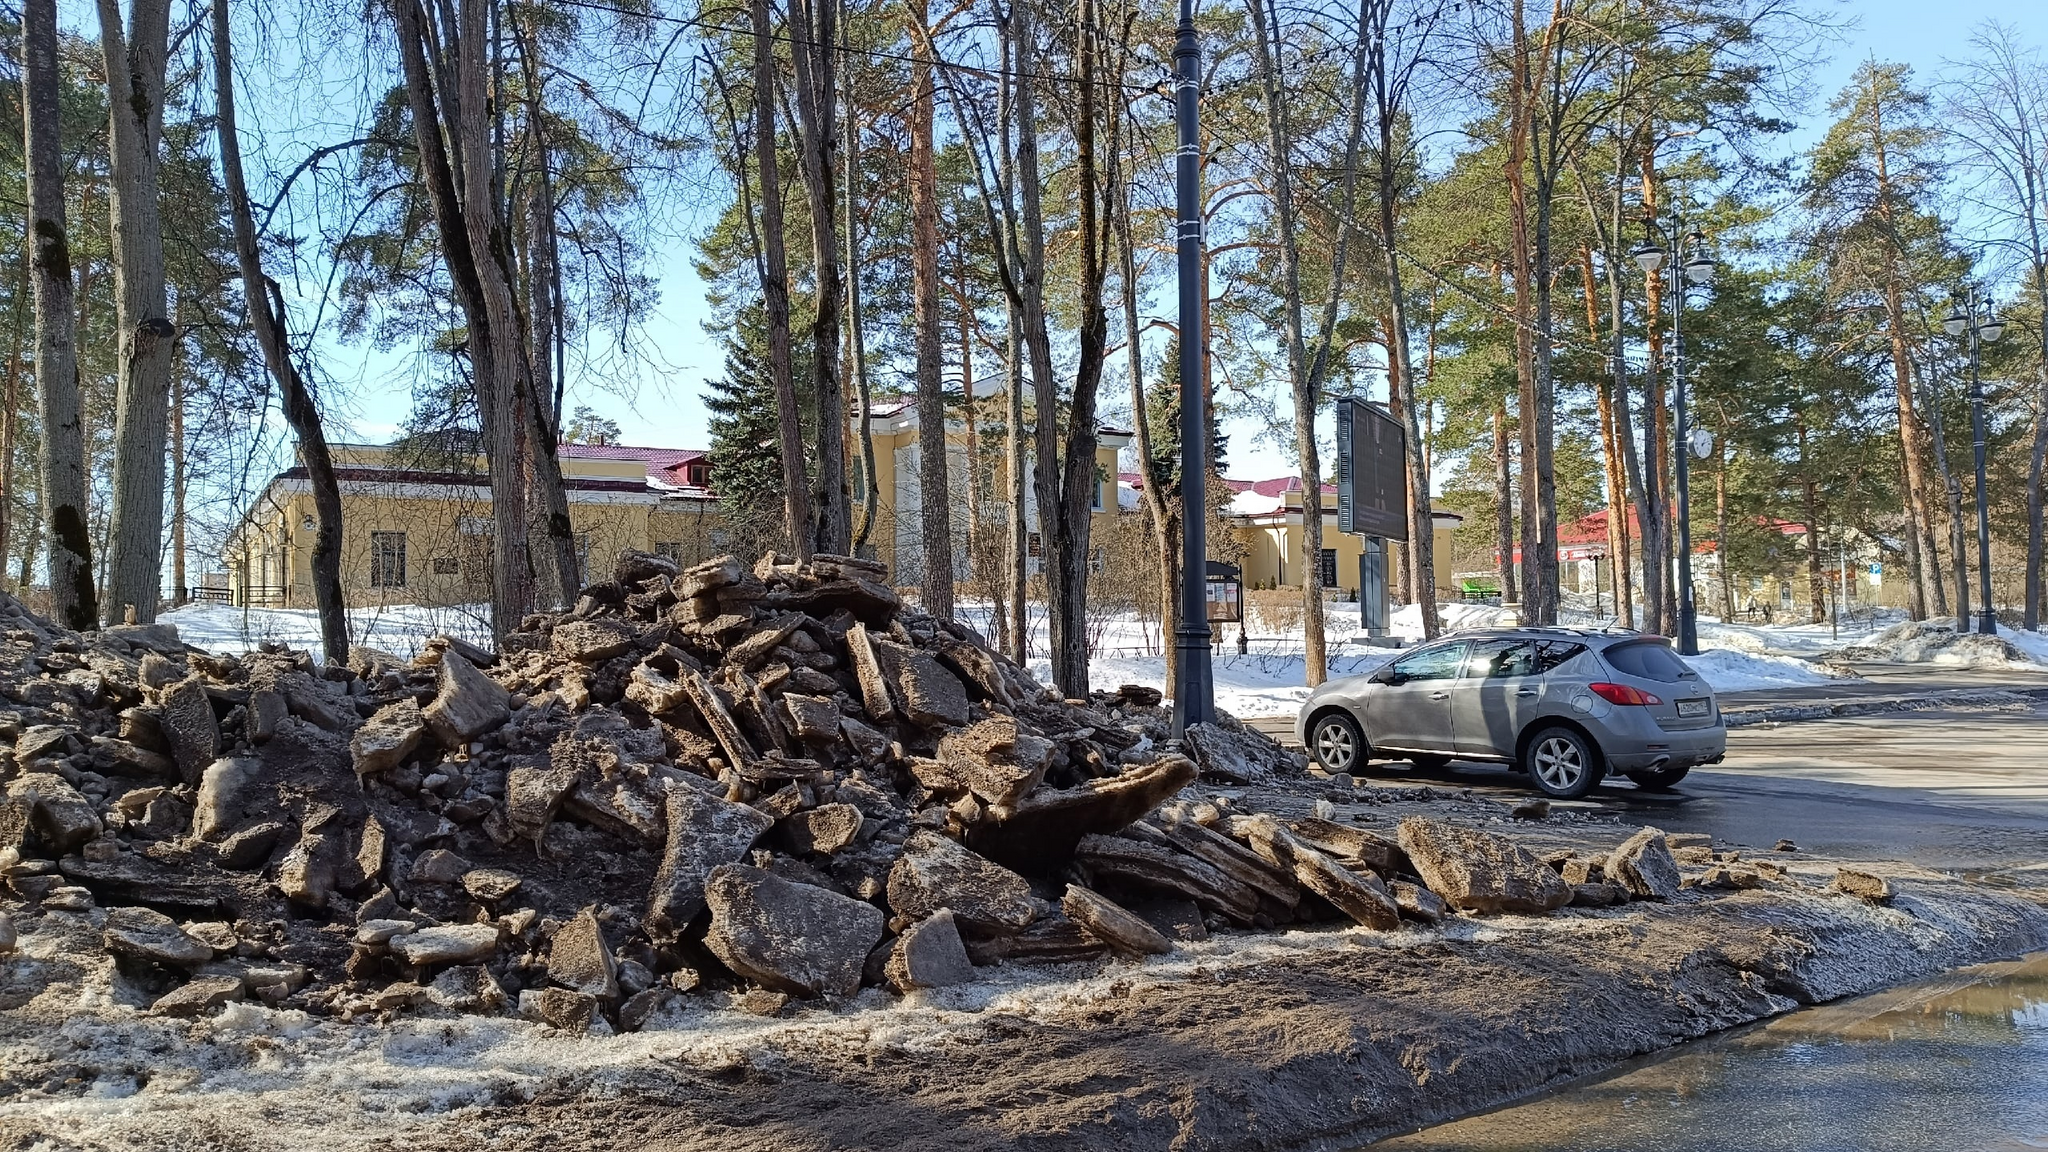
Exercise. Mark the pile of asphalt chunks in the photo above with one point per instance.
(763, 783)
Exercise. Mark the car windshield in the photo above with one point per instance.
(1649, 659)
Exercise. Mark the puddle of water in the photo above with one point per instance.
(1959, 1062)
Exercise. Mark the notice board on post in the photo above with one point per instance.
(1372, 470)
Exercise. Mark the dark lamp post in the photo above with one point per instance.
(1973, 316)
(1687, 256)
(1194, 688)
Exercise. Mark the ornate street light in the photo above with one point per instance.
(1690, 264)
(1973, 315)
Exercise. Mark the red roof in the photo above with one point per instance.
(669, 464)
(1275, 486)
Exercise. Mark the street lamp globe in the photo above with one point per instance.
(1700, 269)
(1956, 321)
(1649, 256)
(1992, 328)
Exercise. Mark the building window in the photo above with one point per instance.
(1034, 545)
(1098, 559)
(474, 526)
(1096, 504)
(1329, 567)
(447, 566)
(387, 559)
(698, 475)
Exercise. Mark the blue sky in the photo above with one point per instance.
(661, 406)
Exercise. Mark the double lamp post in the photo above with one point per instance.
(1973, 315)
(1689, 264)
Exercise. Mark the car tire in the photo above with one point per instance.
(1338, 744)
(1658, 779)
(1561, 763)
(1426, 762)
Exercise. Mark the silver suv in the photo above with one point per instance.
(1566, 706)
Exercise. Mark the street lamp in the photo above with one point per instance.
(1194, 686)
(1695, 267)
(1973, 315)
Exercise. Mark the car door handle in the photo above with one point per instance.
(1528, 692)
(1439, 695)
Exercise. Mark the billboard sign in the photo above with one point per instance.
(1372, 472)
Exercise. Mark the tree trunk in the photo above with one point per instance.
(935, 523)
(1520, 127)
(266, 317)
(813, 27)
(1816, 584)
(1159, 515)
(1912, 443)
(1661, 610)
(180, 591)
(457, 173)
(1545, 396)
(546, 496)
(1306, 366)
(73, 599)
(1610, 458)
(1952, 488)
(134, 64)
(10, 400)
(2037, 462)
(856, 335)
(1063, 628)
(775, 289)
(1504, 502)
(1070, 550)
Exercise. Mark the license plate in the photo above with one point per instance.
(1692, 707)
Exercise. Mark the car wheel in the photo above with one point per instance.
(1337, 743)
(1561, 763)
(1428, 763)
(1658, 779)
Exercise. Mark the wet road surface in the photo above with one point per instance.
(1955, 1063)
(1963, 791)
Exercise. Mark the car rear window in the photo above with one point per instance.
(1648, 659)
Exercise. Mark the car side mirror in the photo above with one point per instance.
(1386, 675)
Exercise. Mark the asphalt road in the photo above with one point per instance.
(1964, 790)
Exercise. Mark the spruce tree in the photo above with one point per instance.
(746, 462)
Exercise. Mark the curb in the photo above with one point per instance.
(1999, 699)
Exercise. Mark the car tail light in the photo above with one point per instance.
(1623, 694)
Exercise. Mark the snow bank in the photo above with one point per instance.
(1734, 671)
(398, 628)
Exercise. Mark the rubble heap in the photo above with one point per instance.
(777, 781)
(764, 783)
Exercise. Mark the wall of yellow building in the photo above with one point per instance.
(1276, 553)
(446, 545)
(882, 535)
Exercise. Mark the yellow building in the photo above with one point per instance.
(1269, 512)
(977, 452)
(416, 529)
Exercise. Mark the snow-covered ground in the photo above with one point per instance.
(1266, 679)
(399, 629)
